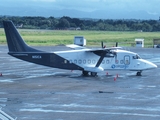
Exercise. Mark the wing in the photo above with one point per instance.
(102, 52)
(76, 47)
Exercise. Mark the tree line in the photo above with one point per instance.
(66, 22)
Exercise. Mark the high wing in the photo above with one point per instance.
(101, 52)
(75, 47)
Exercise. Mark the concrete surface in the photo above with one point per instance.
(33, 92)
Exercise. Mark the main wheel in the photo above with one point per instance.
(93, 74)
(85, 73)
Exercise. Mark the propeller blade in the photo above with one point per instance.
(116, 44)
(102, 44)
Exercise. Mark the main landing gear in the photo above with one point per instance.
(139, 73)
(86, 73)
(94, 74)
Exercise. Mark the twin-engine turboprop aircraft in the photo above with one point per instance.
(86, 60)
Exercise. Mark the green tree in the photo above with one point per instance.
(63, 23)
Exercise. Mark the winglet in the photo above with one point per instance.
(14, 39)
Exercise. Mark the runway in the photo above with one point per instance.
(34, 92)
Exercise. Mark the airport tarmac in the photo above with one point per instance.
(34, 92)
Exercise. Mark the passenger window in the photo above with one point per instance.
(75, 61)
(65, 61)
(103, 61)
(89, 61)
(122, 62)
(84, 61)
(79, 61)
(93, 61)
(107, 61)
(70, 61)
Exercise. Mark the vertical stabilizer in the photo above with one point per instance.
(14, 39)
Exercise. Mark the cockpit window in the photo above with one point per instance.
(136, 57)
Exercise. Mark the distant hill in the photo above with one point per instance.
(99, 14)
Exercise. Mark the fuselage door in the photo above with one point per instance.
(126, 59)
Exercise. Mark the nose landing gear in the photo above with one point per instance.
(139, 73)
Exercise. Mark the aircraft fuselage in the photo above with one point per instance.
(83, 60)
(86, 60)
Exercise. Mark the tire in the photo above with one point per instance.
(93, 74)
(85, 73)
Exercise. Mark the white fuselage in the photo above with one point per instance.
(123, 60)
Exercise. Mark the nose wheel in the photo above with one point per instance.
(139, 73)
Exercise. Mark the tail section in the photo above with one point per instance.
(14, 39)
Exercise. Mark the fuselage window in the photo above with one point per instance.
(65, 61)
(107, 61)
(84, 61)
(122, 62)
(70, 61)
(116, 61)
(80, 61)
(93, 61)
(89, 61)
(103, 61)
(75, 61)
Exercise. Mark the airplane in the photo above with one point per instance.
(89, 61)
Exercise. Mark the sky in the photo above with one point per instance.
(151, 7)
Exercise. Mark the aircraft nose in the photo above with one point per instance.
(148, 64)
(151, 65)
(154, 66)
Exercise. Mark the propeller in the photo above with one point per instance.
(102, 45)
(116, 44)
